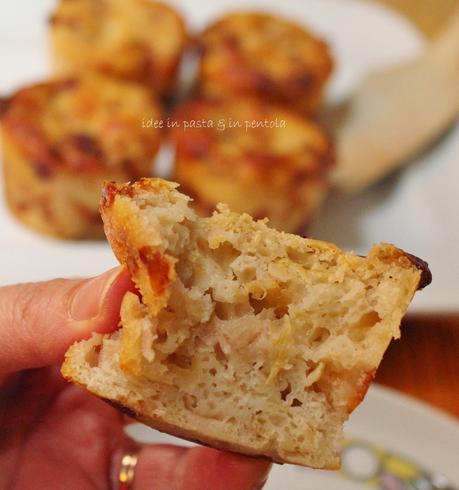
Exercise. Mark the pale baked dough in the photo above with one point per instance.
(243, 338)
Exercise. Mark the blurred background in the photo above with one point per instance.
(372, 153)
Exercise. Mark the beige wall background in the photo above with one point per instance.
(429, 15)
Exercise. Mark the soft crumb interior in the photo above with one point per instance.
(268, 336)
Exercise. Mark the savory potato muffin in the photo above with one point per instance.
(62, 139)
(259, 158)
(266, 56)
(139, 40)
(241, 337)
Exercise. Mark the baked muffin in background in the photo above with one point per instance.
(277, 170)
(265, 56)
(140, 40)
(62, 139)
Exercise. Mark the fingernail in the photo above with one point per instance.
(89, 298)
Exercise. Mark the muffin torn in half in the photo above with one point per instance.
(242, 337)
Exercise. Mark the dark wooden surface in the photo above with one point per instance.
(424, 363)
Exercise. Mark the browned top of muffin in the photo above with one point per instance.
(83, 124)
(254, 140)
(140, 40)
(266, 54)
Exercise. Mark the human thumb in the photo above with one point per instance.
(39, 321)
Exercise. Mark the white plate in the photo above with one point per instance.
(416, 210)
(385, 419)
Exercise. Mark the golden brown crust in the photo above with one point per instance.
(361, 388)
(407, 260)
(279, 172)
(62, 138)
(139, 40)
(423, 267)
(265, 56)
(144, 263)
